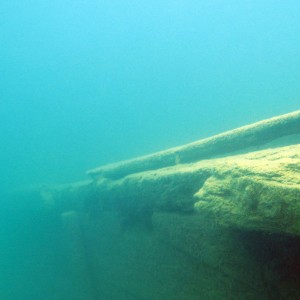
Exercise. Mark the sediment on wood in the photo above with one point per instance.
(238, 139)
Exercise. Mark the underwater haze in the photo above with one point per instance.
(85, 83)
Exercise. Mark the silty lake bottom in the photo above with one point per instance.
(215, 219)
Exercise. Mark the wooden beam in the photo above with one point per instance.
(256, 134)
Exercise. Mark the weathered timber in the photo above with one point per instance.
(254, 191)
(253, 135)
(216, 219)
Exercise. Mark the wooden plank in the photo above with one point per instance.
(222, 144)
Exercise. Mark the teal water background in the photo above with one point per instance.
(84, 83)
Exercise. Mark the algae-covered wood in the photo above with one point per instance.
(258, 190)
(174, 225)
(241, 138)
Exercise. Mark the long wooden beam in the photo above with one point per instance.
(238, 139)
